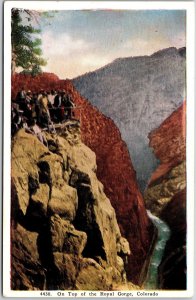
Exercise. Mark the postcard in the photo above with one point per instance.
(98, 160)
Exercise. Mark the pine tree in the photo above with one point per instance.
(26, 51)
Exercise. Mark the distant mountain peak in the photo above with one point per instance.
(167, 51)
(138, 93)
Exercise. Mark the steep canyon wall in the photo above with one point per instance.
(114, 169)
(166, 195)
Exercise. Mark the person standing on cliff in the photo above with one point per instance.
(44, 111)
(20, 98)
(38, 106)
(69, 105)
(28, 105)
(57, 106)
(34, 129)
(51, 96)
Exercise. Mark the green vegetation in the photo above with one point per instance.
(26, 51)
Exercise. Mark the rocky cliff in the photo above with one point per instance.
(114, 170)
(166, 195)
(64, 230)
(168, 142)
(138, 93)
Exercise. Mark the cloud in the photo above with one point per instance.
(149, 45)
(94, 60)
(62, 44)
(69, 57)
(75, 65)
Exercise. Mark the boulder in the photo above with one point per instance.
(63, 274)
(26, 269)
(64, 237)
(26, 151)
(123, 247)
(92, 277)
(75, 241)
(160, 193)
(63, 201)
(51, 168)
(39, 200)
(78, 155)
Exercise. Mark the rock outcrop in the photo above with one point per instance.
(166, 195)
(64, 230)
(114, 170)
(168, 142)
(138, 93)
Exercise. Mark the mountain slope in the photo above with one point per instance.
(138, 93)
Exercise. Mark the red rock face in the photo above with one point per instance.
(46, 81)
(168, 142)
(115, 169)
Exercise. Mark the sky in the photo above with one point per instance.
(76, 42)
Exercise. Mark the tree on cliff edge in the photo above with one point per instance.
(26, 51)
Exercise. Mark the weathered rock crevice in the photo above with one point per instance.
(64, 228)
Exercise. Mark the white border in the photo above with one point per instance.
(114, 5)
(78, 5)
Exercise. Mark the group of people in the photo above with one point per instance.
(40, 110)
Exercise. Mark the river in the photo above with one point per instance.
(151, 281)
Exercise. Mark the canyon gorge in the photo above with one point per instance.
(138, 93)
(79, 216)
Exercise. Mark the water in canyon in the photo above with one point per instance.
(163, 236)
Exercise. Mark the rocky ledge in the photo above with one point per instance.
(64, 232)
